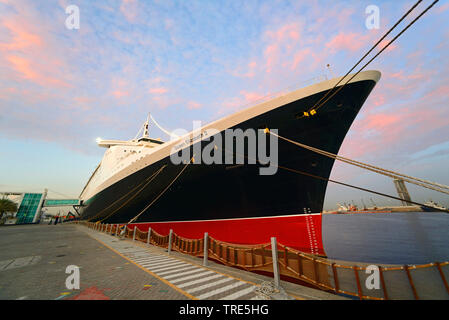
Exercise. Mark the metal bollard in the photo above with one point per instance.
(169, 240)
(206, 249)
(274, 254)
(149, 235)
(134, 234)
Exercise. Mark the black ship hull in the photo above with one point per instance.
(221, 192)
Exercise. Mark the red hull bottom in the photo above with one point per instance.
(301, 232)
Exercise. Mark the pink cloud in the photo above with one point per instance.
(245, 99)
(300, 56)
(407, 128)
(284, 38)
(22, 65)
(120, 94)
(193, 105)
(443, 8)
(347, 41)
(159, 90)
(28, 53)
(130, 9)
(378, 99)
(7, 92)
(29, 70)
(21, 38)
(271, 56)
(381, 121)
(287, 32)
(390, 48)
(441, 91)
(251, 97)
(249, 71)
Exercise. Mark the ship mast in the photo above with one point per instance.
(145, 128)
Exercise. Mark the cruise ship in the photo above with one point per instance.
(137, 182)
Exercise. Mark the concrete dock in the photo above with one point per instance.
(34, 260)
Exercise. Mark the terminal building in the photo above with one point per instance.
(30, 205)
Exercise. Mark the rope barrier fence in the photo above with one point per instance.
(359, 280)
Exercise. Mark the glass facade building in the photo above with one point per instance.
(29, 208)
(30, 205)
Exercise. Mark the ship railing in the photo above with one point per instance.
(358, 280)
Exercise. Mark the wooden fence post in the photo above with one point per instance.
(442, 276)
(412, 285)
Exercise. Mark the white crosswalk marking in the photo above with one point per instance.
(201, 282)
(148, 256)
(151, 259)
(175, 265)
(184, 273)
(191, 277)
(212, 284)
(220, 290)
(175, 270)
(160, 264)
(183, 285)
(238, 294)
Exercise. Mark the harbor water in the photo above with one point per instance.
(387, 238)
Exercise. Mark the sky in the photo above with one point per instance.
(183, 61)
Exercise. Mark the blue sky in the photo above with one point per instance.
(60, 89)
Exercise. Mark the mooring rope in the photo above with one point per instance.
(337, 182)
(392, 174)
(163, 191)
(144, 183)
(313, 110)
(366, 54)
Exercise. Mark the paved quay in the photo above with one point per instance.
(34, 259)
